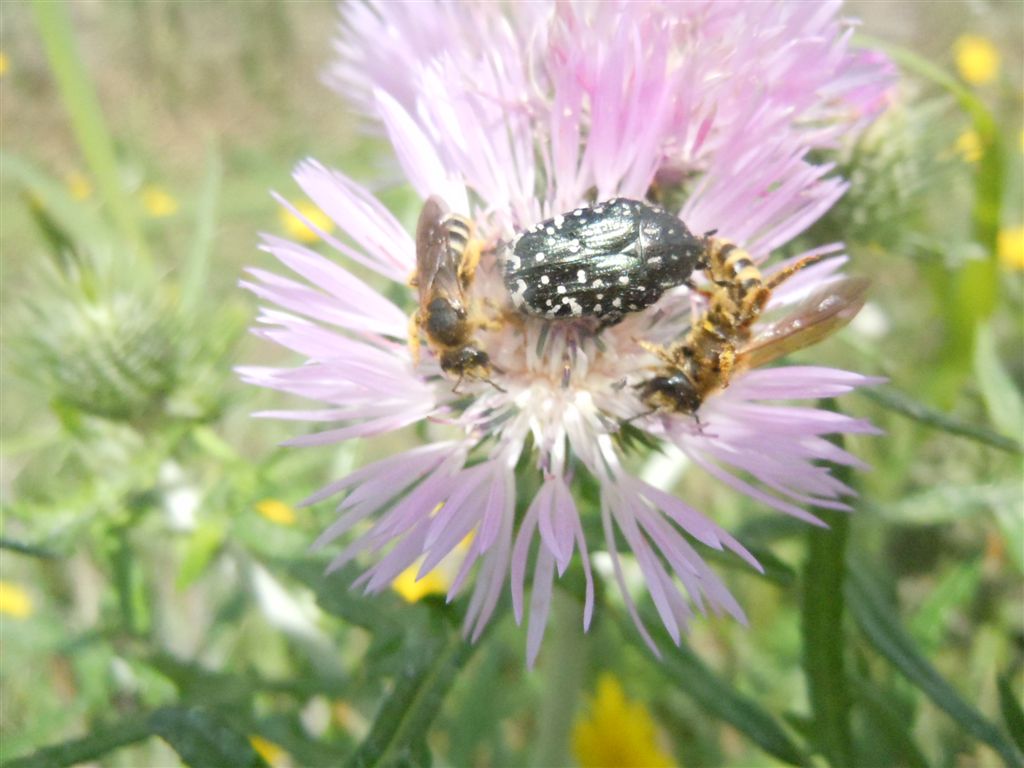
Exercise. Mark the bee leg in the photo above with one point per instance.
(414, 338)
(784, 274)
(493, 384)
(414, 279)
(469, 262)
(656, 350)
(455, 389)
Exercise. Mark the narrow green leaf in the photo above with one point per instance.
(822, 612)
(954, 589)
(398, 735)
(1002, 398)
(30, 550)
(903, 404)
(197, 266)
(887, 721)
(87, 749)
(203, 739)
(333, 596)
(948, 503)
(79, 222)
(717, 696)
(86, 117)
(880, 625)
(200, 547)
(1013, 715)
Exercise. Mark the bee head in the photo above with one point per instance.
(675, 394)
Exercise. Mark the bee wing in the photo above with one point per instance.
(817, 317)
(436, 271)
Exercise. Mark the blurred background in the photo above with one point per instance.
(159, 606)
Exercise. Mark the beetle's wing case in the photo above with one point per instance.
(614, 257)
(817, 317)
(436, 262)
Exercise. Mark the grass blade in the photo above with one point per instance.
(86, 117)
(880, 626)
(197, 266)
(900, 403)
(398, 735)
(822, 612)
(88, 748)
(718, 697)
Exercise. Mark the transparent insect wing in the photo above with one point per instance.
(436, 263)
(817, 317)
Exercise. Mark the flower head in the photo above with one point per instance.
(512, 119)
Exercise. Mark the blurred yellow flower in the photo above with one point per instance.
(3, 64)
(977, 59)
(78, 185)
(158, 202)
(1010, 247)
(617, 732)
(276, 511)
(297, 228)
(968, 146)
(411, 590)
(435, 582)
(272, 754)
(14, 601)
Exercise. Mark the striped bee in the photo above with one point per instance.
(447, 255)
(721, 342)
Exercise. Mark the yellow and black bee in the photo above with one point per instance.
(447, 255)
(720, 342)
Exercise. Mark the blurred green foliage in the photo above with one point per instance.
(153, 616)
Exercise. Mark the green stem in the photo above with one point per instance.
(86, 117)
(563, 668)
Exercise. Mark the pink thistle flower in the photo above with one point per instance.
(515, 118)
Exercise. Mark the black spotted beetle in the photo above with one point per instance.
(603, 262)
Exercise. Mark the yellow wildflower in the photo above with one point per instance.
(4, 63)
(968, 146)
(298, 228)
(14, 601)
(272, 754)
(435, 582)
(977, 59)
(158, 202)
(411, 590)
(276, 511)
(78, 185)
(1010, 247)
(617, 732)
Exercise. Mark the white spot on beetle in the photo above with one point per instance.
(539, 256)
(597, 308)
(560, 289)
(578, 212)
(624, 279)
(550, 230)
(655, 260)
(600, 296)
(544, 279)
(599, 283)
(633, 307)
(581, 275)
(559, 221)
(616, 302)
